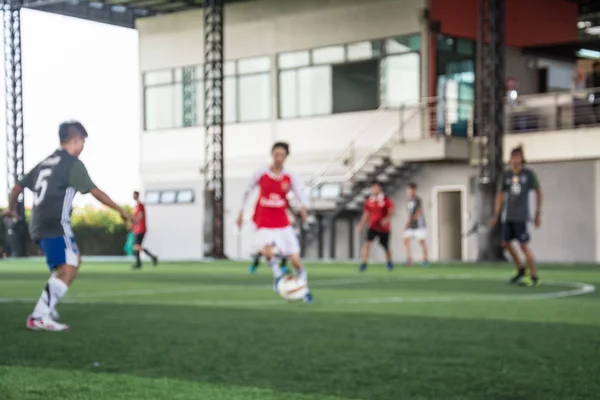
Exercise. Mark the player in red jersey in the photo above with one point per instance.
(378, 210)
(258, 254)
(272, 221)
(139, 230)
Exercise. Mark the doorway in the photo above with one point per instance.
(449, 213)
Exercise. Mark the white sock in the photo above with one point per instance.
(274, 263)
(55, 289)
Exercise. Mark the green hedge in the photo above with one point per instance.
(98, 232)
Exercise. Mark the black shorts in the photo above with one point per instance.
(515, 231)
(384, 237)
(139, 238)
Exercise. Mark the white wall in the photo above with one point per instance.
(268, 27)
(273, 26)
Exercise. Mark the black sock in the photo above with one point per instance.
(137, 257)
(521, 271)
(256, 260)
(283, 262)
(148, 253)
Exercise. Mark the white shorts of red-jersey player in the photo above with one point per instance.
(271, 214)
(280, 240)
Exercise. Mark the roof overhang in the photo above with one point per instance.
(115, 12)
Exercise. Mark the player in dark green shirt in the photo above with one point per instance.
(54, 183)
(512, 200)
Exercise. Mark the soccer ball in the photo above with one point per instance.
(292, 288)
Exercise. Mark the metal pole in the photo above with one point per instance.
(490, 117)
(213, 120)
(13, 79)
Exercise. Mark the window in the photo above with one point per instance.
(293, 60)
(314, 91)
(180, 196)
(163, 106)
(400, 80)
(347, 78)
(255, 95)
(328, 55)
(174, 98)
(185, 196)
(363, 50)
(152, 197)
(168, 197)
(355, 86)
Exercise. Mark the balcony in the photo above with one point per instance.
(555, 126)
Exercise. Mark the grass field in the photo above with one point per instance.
(212, 332)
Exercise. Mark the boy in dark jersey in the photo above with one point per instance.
(512, 200)
(378, 211)
(415, 225)
(54, 183)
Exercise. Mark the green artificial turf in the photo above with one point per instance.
(211, 331)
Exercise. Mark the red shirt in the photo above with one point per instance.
(272, 204)
(140, 226)
(378, 208)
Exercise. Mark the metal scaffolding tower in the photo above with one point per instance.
(213, 122)
(13, 79)
(490, 82)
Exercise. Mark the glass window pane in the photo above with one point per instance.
(168, 197)
(254, 65)
(400, 77)
(361, 51)
(288, 94)
(163, 107)
(403, 44)
(314, 85)
(328, 55)
(293, 60)
(178, 74)
(200, 103)
(152, 197)
(254, 97)
(445, 43)
(158, 77)
(185, 196)
(230, 93)
(466, 47)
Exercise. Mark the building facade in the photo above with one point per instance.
(336, 79)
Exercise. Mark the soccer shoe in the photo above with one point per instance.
(252, 269)
(425, 263)
(362, 268)
(155, 261)
(308, 298)
(302, 274)
(520, 275)
(45, 324)
(136, 266)
(285, 270)
(389, 266)
(55, 315)
(531, 282)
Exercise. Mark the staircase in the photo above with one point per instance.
(342, 184)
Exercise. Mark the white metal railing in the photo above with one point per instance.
(553, 111)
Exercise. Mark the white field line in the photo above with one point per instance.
(578, 290)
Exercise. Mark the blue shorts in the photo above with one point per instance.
(60, 250)
(515, 231)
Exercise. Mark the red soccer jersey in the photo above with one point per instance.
(140, 226)
(378, 208)
(272, 203)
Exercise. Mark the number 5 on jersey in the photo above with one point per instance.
(41, 186)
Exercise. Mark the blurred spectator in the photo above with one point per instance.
(593, 81)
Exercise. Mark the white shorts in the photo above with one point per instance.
(416, 233)
(284, 239)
